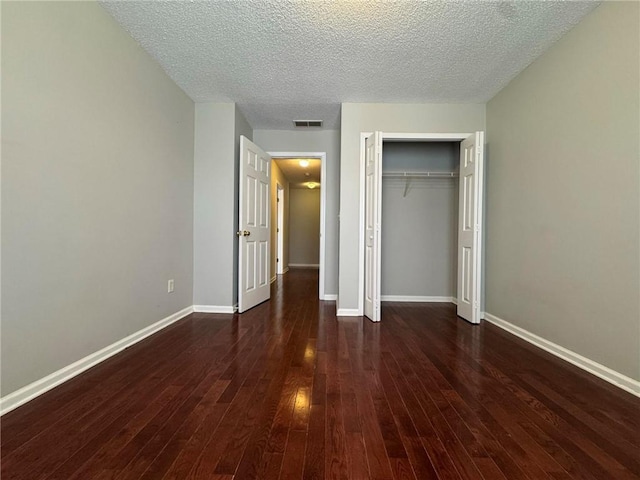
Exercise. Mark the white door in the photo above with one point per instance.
(253, 228)
(469, 227)
(373, 217)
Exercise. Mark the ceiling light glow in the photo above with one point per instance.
(304, 163)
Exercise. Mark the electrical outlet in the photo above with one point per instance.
(170, 285)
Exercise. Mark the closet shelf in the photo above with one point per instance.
(409, 175)
(420, 174)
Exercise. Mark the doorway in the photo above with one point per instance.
(280, 240)
(469, 150)
(311, 185)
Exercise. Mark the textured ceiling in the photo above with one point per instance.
(296, 175)
(282, 60)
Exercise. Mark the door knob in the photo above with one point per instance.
(246, 233)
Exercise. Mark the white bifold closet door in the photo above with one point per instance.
(254, 232)
(469, 227)
(373, 217)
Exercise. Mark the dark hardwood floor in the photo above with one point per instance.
(289, 391)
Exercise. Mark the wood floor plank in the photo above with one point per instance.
(336, 463)
(292, 467)
(248, 467)
(314, 457)
(288, 390)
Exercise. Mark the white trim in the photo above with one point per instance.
(285, 270)
(605, 373)
(304, 265)
(215, 308)
(421, 137)
(480, 276)
(323, 214)
(279, 228)
(330, 297)
(274, 278)
(361, 227)
(415, 298)
(348, 312)
(37, 388)
(322, 156)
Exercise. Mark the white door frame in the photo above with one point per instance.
(399, 136)
(322, 156)
(280, 229)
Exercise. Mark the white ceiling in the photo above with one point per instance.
(284, 60)
(297, 175)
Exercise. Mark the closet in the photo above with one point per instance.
(423, 219)
(419, 228)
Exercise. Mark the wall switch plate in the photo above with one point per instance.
(170, 285)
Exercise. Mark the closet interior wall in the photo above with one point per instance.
(419, 221)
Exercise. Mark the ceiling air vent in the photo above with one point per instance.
(307, 123)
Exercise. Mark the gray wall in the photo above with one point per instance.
(304, 226)
(368, 117)
(97, 184)
(316, 141)
(214, 199)
(419, 230)
(563, 246)
(218, 128)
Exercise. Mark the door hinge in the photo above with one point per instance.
(277, 230)
(277, 260)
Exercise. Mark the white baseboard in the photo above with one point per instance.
(605, 373)
(330, 297)
(415, 298)
(348, 312)
(37, 388)
(274, 278)
(304, 265)
(215, 308)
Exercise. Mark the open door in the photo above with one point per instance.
(373, 217)
(469, 223)
(253, 229)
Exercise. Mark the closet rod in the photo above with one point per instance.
(409, 175)
(420, 174)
